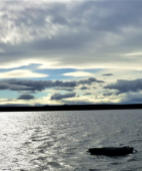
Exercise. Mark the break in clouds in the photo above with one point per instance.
(70, 51)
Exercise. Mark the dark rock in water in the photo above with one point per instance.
(111, 151)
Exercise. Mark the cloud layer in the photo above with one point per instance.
(80, 34)
(33, 85)
(80, 91)
(124, 86)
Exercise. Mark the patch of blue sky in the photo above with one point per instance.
(6, 70)
(49, 92)
(31, 67)
(56, 74)
(42, 94)
(8, 94)
(53, 74)
(93, 70)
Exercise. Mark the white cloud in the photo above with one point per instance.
(79, 74)
(21, 74)
(134, 54)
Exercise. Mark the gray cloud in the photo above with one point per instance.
(108, 93)
(90, 80)
(108, 74)
(85, 32)
(26, 97)
(124, 86)
(84, 88)
(58, 96)
(33, 85)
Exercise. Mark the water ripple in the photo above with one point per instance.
(44, 141)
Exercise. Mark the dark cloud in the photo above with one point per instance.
(38, 85)
(108, 93)
(108, 74)
(84, 88)
(26, 97)
(89, 81)
(31, 85)
(88, 94)
(124, 86)
(58, 96)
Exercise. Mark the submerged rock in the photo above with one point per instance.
(112, 151)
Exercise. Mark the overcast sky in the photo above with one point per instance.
(70, 51)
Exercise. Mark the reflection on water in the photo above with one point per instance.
(44, 141)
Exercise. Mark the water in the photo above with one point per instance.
(50, 141)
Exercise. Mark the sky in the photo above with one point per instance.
(55, 52)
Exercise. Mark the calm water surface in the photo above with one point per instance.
(50, 141)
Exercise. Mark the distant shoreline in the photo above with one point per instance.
(70, 107)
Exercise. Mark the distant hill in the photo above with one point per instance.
(70, 107)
